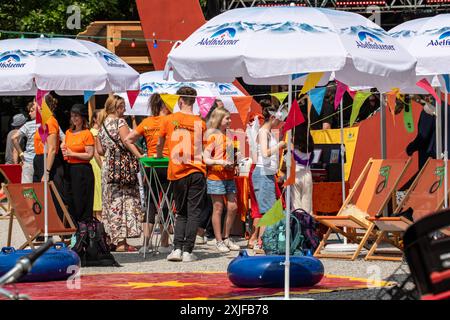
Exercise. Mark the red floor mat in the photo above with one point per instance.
(170, 286)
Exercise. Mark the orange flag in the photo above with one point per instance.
(392, 101)
(291, 178)
(243, 106)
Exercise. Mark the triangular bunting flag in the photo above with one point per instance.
(316, 96)
(311, 81)
(351, 92)
(358, 101)
(294, 118)
(243, 105)
(46, 113)
(43, 132)
(408, 117)
(205, 104)
(447, 81)
(291, 178)
(40, 95)
(87, 95)
(391, 98)
(340, 91)
(132, 96)
(280, 96)
(298, 75)
(272, 216)
(170, 100)
(425, 85)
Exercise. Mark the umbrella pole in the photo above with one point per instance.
(341, 115)
(288, 203)
(438, 128)
(446, 152)
(45, 193)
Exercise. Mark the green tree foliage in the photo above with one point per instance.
(50, 16)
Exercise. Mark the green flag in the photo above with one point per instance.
(358, 101)
(272, 216)
(408, 118)
(280, 96)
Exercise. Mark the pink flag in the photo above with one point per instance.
(340, 90)
(425, 85)
(205, 104)
(132, 96)
(43, 132)
(352, 93)
(294, 118)
(39, 95)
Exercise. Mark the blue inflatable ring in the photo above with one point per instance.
(268, 271)
(57, 263)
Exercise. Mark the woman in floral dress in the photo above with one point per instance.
(121, 208)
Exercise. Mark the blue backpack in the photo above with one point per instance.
(274, 238)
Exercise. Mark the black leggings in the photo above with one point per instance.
(80, 191)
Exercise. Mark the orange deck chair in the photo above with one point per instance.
(27, 202)
(425, 197)
(12, 174)
(370, 195)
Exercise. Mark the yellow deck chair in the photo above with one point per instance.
(371, 193)
(27, 202)
(425, 196)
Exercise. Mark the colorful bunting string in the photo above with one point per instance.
(340, 91)
(132, 96)
(281, 96)
(40, 94)
(294, 118)
(87, 95)
(424, 84)
(243, 105)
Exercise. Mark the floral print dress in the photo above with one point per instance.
(121, 210)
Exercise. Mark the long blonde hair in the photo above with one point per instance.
(110, 107)
(216, 118)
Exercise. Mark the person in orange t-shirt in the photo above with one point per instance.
(78, 150)
(149, 128)
(184, 133)
(219, 158)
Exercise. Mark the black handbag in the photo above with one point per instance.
(123, 167)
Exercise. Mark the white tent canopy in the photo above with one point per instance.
(153, 82)
(66, 66)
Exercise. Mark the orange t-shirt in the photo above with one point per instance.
(221, 148)
(53, 128)
(149, 128)
(77, 142)
(184, 135)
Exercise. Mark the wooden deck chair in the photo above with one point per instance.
(27, 202)
(12, 174)
(425, 197)
(370, 195)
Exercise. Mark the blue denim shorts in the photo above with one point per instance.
(264, 187)
(221, 186)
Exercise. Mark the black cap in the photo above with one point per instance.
(80, 109)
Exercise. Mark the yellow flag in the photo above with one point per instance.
(311, 81)
(46, 113)
(272, 216)
(280, 96)
(170, 100)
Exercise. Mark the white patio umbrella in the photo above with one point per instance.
(67, 66)
(274, 45)
(154, 82)
(428, 40)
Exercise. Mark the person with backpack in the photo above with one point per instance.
(267, 163)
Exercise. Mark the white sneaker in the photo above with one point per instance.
(164, 249)
(231, 245)
(175, 255)
(189, 257)
(221, 247)
(211, 242)
(200, 239)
